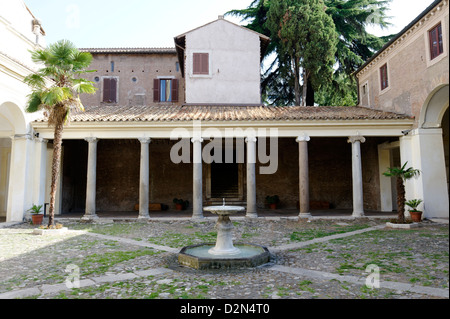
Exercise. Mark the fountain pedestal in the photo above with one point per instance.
(224, 242)
(223, 254)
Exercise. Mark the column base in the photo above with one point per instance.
(358, 214)
(90, 217)
(251, 215)
(304, 215)
(197, 216)
(144, 217)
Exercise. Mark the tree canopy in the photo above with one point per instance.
(355, 45)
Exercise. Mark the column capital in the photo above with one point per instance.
(41, 140)
(197, 139)
(357, 138)
(303, 138)
(144, 140)
(250, 139)
(22, 137)
(91, 139)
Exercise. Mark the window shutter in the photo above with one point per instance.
(155, 90)
(205, 63)
(200, 63)
(113, 91)
(196, 63)
(174, 90)
(106, 89)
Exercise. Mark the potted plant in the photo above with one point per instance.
(416, 215)
(36, 215)
(401, 174)
(272, 201)
(180, 204)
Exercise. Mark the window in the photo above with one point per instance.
(436, 46)
(365, 89)
(384, 77)
(200, 63)
(165, 90)
(110, 90)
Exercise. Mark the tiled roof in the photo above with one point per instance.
(109, 113)
(128, 50)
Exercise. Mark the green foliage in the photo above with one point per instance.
(272, 199)
(307, 37)
(35, 209)
(401, 172)
(355, 45)
(413, 203)
(56, 87)
(182, 202)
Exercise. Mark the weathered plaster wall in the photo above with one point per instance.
(412, 74)
(234, 65)
(141, 67)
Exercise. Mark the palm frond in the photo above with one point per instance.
(84, 86)
(35, 81)
(34, 102)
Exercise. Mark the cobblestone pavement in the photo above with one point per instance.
(318, 258)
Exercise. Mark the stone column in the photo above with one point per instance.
(91, 179)
(358, 203)
(303, 175)
(197, 196)
(144, 178)
(40, 171)
(19, 200)
(251, 177)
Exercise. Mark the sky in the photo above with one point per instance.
(150, 23)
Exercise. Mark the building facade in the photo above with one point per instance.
(410, 76)
(188, 123)
(21, 180)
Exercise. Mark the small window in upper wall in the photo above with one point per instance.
(200, 63)
(165, 90)
(364, 89)
(384, 77)
(436, 45)
(110, 90)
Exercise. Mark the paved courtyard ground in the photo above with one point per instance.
(311, 259)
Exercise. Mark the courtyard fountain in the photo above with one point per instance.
(223, 254)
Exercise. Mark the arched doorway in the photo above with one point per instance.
(430, 153)
(12, 123)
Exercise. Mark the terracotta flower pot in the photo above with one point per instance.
(179, 206)
(416, 216)
(273, 206)
(37, 219)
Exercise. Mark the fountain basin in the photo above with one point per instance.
(199, 257)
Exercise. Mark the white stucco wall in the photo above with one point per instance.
(17, 144)
(234, 66)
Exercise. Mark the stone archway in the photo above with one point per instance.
(14, 144)
(428, 154)
(435, 106)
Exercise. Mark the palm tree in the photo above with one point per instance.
(55, 89)
(401, 174)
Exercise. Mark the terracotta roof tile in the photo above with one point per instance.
(157, 113)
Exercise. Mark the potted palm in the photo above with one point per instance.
(180, 204)
(401, 174)
(273, 201)
(416, 215)
(36, 216)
